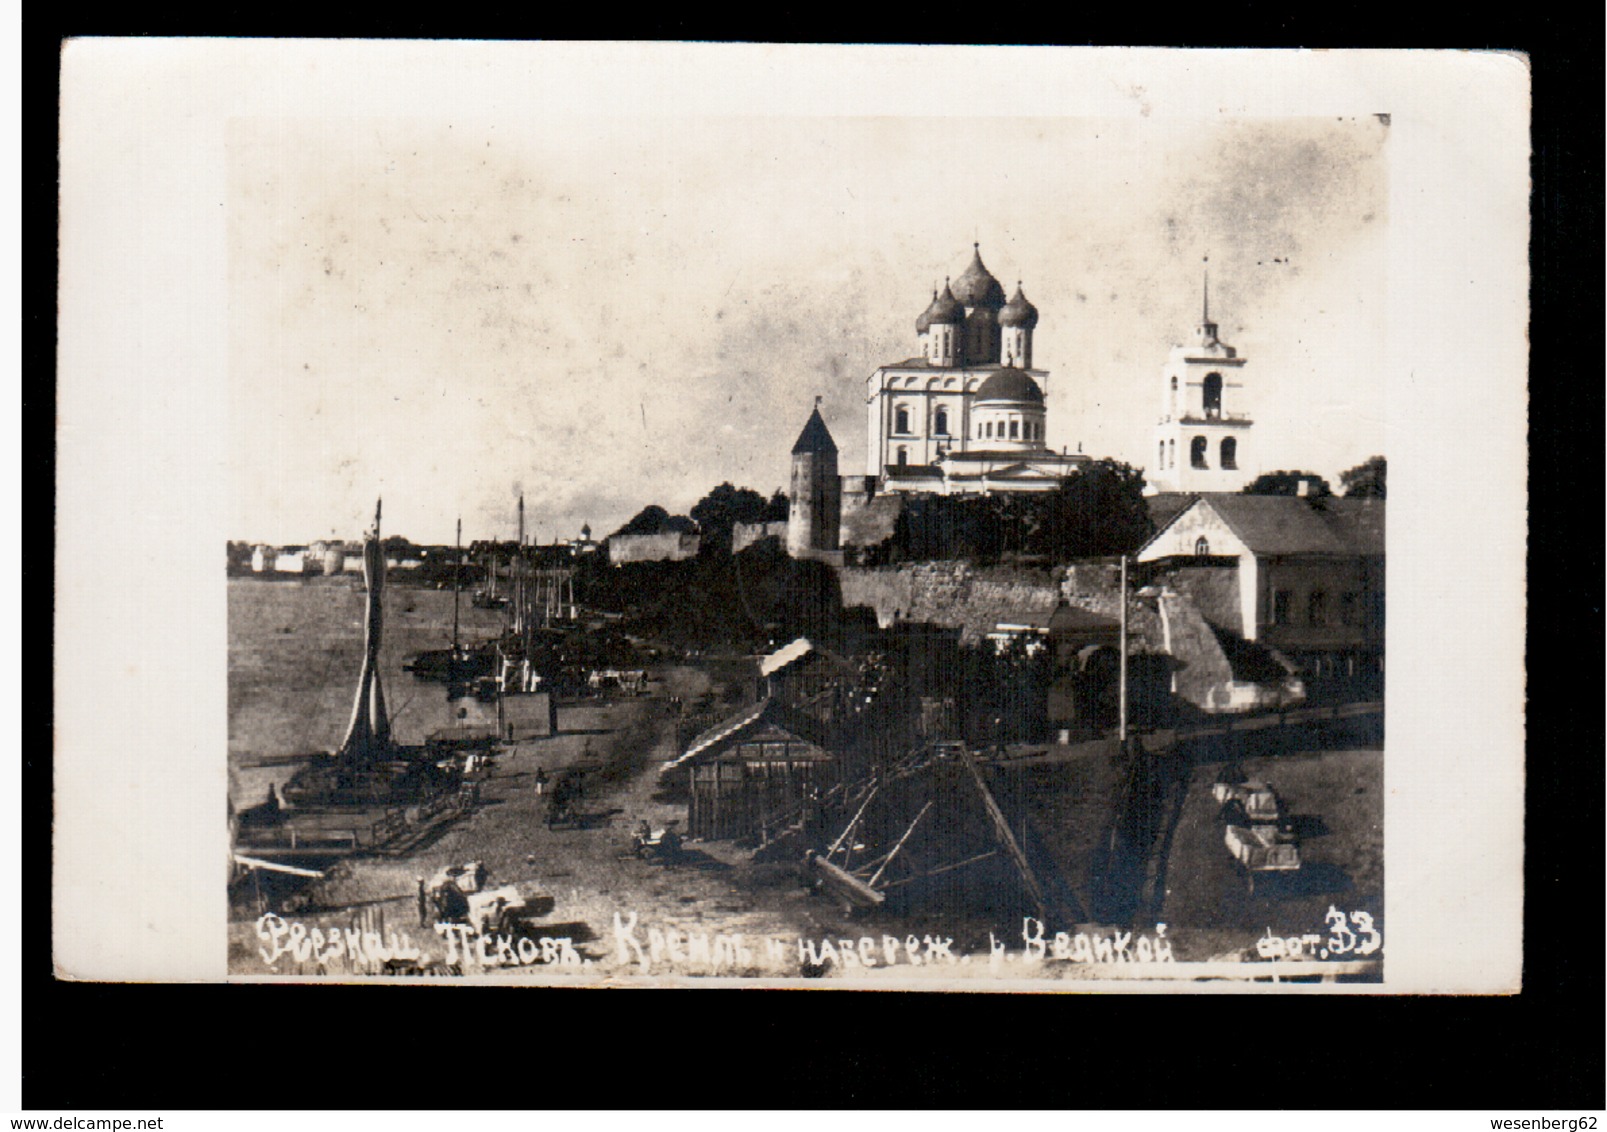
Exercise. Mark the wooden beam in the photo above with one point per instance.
(274, 866)
(877, 875)
(849, 828)
(1002, 829)
(991, 853)
(846, 884)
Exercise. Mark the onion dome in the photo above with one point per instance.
(1010, 384)
(945, 308)
(976, 287)
(1018, 312)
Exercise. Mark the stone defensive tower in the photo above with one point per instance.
(814, 511)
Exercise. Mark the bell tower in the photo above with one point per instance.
(1202, 439)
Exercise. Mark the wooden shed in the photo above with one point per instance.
(753, 770)
(805, 676)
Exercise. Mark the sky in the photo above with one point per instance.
(605, 313)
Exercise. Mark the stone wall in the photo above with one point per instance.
(666, 546)
(868, 521)
(976, 599)
(744, 535)
(954, 594)
(1214, 590)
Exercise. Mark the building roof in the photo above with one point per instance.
(1165, 506)
(1010, 384)
(815, 437)
(1073, 621)
(796, 651)
(767, 712)
(976, 286)
(1013, 456)
(1275, 525)
(1358, 522)
(1018, 312)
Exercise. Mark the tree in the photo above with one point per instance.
(1097, 513)
(653, 520)
(723, 508)
(1289, 483)
(1365, 480)
(778, 508)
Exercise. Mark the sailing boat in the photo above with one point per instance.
(457, 665)
(368, 766)
(488, 598)
(368, 736)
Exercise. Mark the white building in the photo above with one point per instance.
(968, 413)
(1202, 440)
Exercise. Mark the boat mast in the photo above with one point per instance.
(457, 572)
(523, 618)
(368, 736)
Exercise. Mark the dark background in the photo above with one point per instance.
(120, 1047)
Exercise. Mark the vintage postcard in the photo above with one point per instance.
(758, 515)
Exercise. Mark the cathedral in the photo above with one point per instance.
(967, 415)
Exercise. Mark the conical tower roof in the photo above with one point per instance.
(815, 437)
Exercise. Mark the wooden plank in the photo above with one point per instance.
(849, 828)
(888, 860)
(273, 866)
(846, 884)
(1006, 838)
(991, 853)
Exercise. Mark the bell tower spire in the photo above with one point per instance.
(1206, 333)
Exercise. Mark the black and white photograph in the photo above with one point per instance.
(680, 534)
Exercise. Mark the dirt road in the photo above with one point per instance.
(587, 865)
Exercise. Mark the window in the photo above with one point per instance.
(989, 428)
(1202, 547)
(1160, 458)
(903, 456)
(1171, 453)
(1317, 608)
(941, 425)
(1230, 452)
(1197, 452)
(1347, 609)
(1014, 430)
(901, 420)
(1174, 384)
(1213, 396)
(1280, 607)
